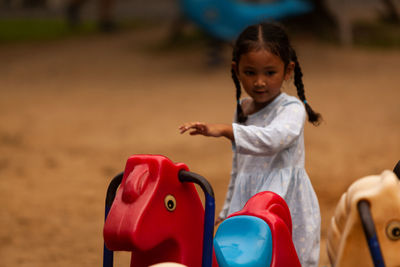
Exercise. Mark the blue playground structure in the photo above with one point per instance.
(225, 19)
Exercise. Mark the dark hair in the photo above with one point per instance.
(272, 37)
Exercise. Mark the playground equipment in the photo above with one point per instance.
(225, 19)
(368, 211)
(158, 216)
(258, 235)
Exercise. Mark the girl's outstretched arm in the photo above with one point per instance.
(208, 129)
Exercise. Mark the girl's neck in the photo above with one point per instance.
(254, 107)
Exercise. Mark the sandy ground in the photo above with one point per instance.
(72, 112)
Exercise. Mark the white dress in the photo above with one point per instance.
(268, 155)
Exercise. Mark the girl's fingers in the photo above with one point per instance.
(182, 129)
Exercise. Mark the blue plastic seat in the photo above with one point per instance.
(225, 19)
(243, 241)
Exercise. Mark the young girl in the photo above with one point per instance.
(267, 135)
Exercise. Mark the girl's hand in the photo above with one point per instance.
(202, 128)
(207, 129)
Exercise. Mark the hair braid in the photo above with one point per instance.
(313, 117)
(240, 117)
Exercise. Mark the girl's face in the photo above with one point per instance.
(261, 74)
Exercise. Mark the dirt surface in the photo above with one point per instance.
(72, 112)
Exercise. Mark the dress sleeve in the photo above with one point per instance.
(286, 127)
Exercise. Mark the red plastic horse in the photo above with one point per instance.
(156, 216)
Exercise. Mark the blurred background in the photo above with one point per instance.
(84, 84)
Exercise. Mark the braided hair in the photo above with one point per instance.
(273, 38)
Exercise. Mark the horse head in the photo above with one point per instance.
(154, 215)
(347, 244)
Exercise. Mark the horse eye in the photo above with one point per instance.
(393, 230)
(170, 202)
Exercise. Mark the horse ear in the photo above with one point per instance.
(397, 169)
(135, 183)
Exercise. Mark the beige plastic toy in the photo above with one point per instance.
(365, 230)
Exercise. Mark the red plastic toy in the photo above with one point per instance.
(154, 215)
(273, 209)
